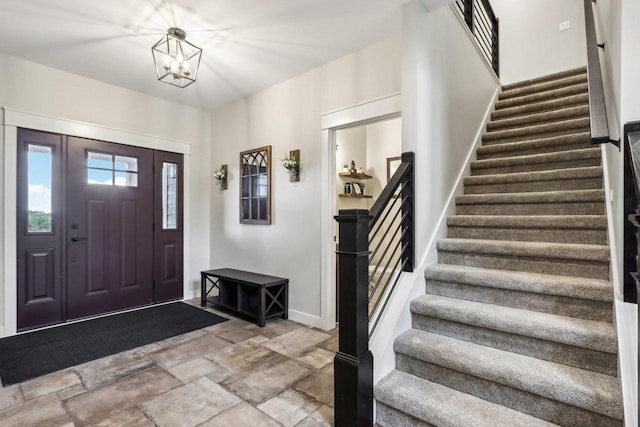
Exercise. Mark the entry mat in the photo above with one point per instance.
(33, 354)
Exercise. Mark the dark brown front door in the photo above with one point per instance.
(99, 227)
(109, 227)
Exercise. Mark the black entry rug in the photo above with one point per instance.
(33, 354)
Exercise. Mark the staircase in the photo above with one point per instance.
(515, 328)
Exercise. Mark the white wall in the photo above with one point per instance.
(287, 117)
(531, 44)
(447, 88)
(42, 90)
(447, 92)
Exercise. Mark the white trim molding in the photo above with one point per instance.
(356, 115)
(14, 119)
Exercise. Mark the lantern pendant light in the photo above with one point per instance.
(176, 60)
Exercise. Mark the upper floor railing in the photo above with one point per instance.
(484, 25)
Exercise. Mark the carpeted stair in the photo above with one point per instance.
(515, 328)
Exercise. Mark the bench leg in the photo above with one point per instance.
(203, 294)
(263, 307)
(285, 301)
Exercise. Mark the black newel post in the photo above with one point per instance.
(353, 364)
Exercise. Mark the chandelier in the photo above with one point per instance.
(176, 60)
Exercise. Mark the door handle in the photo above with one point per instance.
(77, 239)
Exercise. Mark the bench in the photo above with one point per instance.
(254, 295)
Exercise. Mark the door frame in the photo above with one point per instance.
(14, 119)
(373, 111)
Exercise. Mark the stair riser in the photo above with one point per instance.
(389, 417)
(538, 119)
(563, 306)
(589, 208)
(531, 167)
(582, 236)
(542, 87)
(533, 150)
(542, 96)
(525, 187)
(558, 266)
(528, 135)
(592, 360)
(537, 406)
(544, 106)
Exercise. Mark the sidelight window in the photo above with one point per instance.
(39, 172)
(169, 196)
(111, 169)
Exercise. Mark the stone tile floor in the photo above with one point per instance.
(230, 374)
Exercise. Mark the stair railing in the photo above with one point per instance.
(484, 25)
(381, 238)
(597, 106)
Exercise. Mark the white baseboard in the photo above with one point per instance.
(191, 293)
(307, 319)
(627, 329)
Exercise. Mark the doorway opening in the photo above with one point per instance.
(366, 158)
(99, 227)
(368, 113)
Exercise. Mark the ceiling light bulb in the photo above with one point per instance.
(175, 67)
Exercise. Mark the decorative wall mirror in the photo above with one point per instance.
(255, 186)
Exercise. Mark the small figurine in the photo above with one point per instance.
(353, 166)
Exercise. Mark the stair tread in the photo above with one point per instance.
(546, 105)
(574, 138)
(567, 286)
(545, 175)
(562, 92)
(573, 251)
(536, 87)
(592, 391)
(540, 117)
(548, 77)
(590, 222)
(589, 334)
(446, 407)
(563, 196)
(556, 156)
(532, 129)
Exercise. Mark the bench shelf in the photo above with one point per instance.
(254, 295)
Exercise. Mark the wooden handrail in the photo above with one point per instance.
(597, 106)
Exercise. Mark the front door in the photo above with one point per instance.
(109, 227)
(99, 227)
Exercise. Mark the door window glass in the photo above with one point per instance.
(109, 169)
(39, 171)
(169, 196)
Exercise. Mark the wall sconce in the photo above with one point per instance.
(221, 177)
(292, 164)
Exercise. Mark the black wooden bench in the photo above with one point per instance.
(254, 295)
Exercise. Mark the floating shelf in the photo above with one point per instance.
(355, 175)
(355, 196)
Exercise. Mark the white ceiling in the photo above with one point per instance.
(248, 45)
